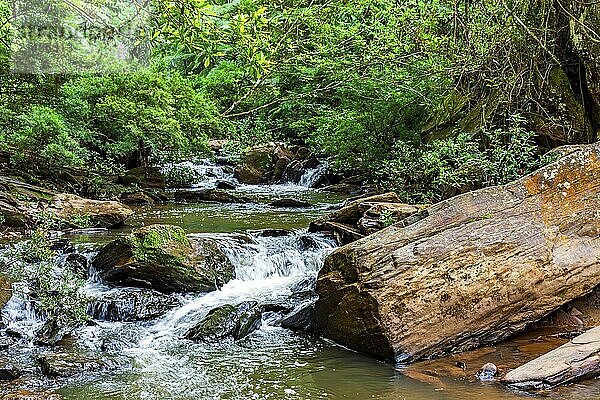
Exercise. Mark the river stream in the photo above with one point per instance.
(151, 360)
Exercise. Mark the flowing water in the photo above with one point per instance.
(151, 360)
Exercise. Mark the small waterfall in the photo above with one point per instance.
(267, 269)
(312, 176)
(205, 171)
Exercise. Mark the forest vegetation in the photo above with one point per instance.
(427, 97)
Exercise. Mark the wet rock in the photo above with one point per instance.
(163, 258)
(64, 246)
(9, 374)
(488, 372)
(577, 360)
(293, 171)
(307, 242)
(27, 395)
(306, 284)
(107, 214)
(65, 365)
(290, 203)
(227, 321)
(280, 168)
(274, 233)
(50, 333)
(477, 269)
(300, 319)
(78, 263)
(225, 185)
(128, 305)
(144, 177)
(140, 199)
(226, 160)
(209, 195)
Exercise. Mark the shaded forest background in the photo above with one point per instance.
(428, 98)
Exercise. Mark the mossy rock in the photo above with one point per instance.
(227, 321)
(163, 258)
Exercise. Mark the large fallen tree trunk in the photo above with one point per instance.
(479, 268)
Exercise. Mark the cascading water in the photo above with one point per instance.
(205, 171)
(266, 271)
(312, 176)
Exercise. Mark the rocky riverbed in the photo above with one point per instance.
(228, 322)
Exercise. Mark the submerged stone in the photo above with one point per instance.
(487, 373)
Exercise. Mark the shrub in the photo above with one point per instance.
(43, 141)
(444, 168)
(140, 115)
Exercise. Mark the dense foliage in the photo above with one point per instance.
(430, 98)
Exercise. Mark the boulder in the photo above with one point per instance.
(256, 166)
(476, 269)
(290, 203)
(210, 196)
(577, 360)
(364, 216)
(11, 214)
(105, 214)
(216, 145)
(163, 258)
(227, 321)
(9, 374)
(144, 177)
(139, 198)
(130, 304)
(263, 164)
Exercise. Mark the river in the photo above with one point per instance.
(151, 360)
